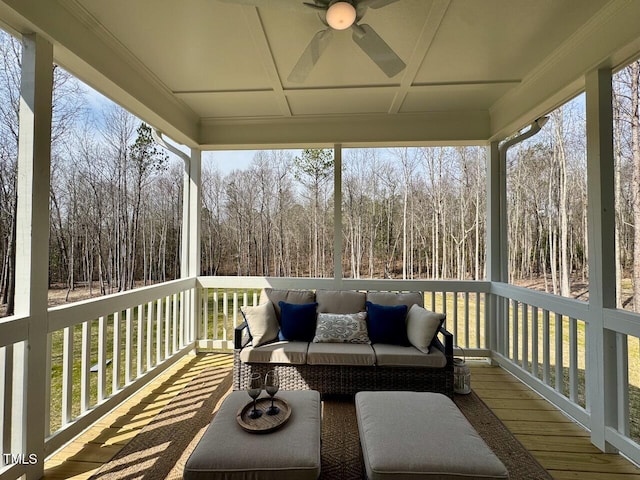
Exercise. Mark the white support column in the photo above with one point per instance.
(496, 229)
(32, 239)
(195, 209)
(190, 264)
(337, 215)
(601, 343)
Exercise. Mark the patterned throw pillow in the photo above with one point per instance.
(342, 328)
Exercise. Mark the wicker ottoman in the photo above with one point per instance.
(291, 452)
(411, 435)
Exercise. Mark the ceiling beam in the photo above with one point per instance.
(441, 128)
(256, 28)
(428, 33)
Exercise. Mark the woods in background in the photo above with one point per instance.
(116, 203)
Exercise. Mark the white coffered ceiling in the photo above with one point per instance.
(214, 73)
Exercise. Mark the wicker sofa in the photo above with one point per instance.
(339, 365)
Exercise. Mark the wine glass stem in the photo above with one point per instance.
(254, 406)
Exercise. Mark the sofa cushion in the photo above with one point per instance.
(278, 352)
(398, 356)
(340, 301)
(392, 298)
(261, 322)
(340, 354)
(297, 321)
(288, 296)
(342, 328)
(422, 326)
(387, 324)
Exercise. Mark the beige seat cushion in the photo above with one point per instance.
(292, 452)
(413, 435)
(398, 356)
(340, 354)
(391, 298)
(278, 352)
(340, 301)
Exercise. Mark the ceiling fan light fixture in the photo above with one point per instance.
(341, 15)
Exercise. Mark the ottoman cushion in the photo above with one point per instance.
(291, 452)
(410, 435)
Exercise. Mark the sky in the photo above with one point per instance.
(226, 160)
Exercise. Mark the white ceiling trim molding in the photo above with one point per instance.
(256, 28)
(437, 128)
(428, 33)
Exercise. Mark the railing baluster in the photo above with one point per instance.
(466, 319)
(525, 336)
(456, 338)
(478, 344)
(149, 335)
(216, 335)
(559, 354)
(85, 369)
(534, 341)
(573, 360)
(205, 315)
(67, 375)
(622, 372)
(546, 354)
(158, 331)
(128, 345)
(235, 309)
(433, 301)
(507, 324)
(175, 322)
(139, 339)
(102, 358)
(225, 314)
(167, 327)
(515, 339)
(6, 394)
(182, 324)
(255, 298)
(47, 402)
(115, 362)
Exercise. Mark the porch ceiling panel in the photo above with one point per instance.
(460, 97)
(233, 104)
(341, 101)
(200, 69)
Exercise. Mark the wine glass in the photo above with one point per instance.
(271, 385)
(255, 387)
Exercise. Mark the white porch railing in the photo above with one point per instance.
(462, 301)
(102, 350)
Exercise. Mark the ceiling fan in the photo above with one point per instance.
(338, 15)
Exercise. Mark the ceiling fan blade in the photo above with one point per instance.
(310, 56)
(377, 49)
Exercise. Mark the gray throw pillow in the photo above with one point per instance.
(262, 323)
(342, 328)
(422, 326)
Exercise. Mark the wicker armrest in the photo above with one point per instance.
(447, 347)
(241, 336)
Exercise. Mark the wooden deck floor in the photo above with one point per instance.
(560, 445)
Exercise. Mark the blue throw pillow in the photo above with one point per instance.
(387, 324)
(297, 321)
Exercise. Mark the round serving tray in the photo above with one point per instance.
(265, 423)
